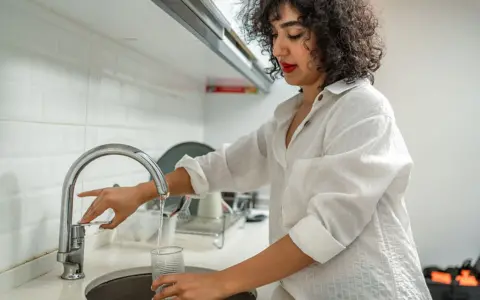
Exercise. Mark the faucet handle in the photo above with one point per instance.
(78, 231)
(93, 223)
(78, 236)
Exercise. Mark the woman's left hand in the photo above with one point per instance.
(191, 286)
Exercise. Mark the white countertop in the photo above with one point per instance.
(240, 244)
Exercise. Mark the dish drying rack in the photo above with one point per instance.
(214, 227)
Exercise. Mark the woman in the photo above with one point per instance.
(335, 159)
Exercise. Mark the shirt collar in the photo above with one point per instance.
(285, 109)
(341, 86)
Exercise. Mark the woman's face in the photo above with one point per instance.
(292, 44)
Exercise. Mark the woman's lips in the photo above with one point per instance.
(288, 68)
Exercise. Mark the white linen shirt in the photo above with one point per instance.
(337, 190)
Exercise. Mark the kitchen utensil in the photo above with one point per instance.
(141, 226)
(211, 206)
(166, 260)
(182, 208)
(94, 223)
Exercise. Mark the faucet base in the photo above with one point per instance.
(72, 272)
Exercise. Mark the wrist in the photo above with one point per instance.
(146, 191)
(230, 284)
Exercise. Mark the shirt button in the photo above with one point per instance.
(321, 97)
(307, 123)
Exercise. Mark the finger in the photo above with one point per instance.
(92, 193)
(96, 209)
(115, 222)
(164, 279)
(89, 209)
(168, 291)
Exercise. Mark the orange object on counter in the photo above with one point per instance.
(231, 89)
(441, 277)
(466, 279)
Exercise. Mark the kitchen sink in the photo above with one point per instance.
(135, 283)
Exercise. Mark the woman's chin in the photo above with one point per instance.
(302, 81)
(292, 80)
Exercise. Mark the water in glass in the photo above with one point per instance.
(167, 260)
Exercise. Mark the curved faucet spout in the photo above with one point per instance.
(67, 252)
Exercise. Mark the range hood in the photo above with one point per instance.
(189, 36)
(203, 19)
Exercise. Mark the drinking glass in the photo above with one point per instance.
(166, 260)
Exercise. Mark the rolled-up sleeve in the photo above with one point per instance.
(239, 167)
(345, 184)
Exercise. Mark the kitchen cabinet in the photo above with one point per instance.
(191, 35)
(230, 9)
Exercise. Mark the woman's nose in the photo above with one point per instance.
(279, 48)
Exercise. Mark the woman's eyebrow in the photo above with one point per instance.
(290, 24)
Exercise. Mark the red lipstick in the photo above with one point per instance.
(288, 68)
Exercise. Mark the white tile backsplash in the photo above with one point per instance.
(20, 101)
(63, 90)
(30, 139)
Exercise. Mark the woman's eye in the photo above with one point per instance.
(295, 37)
(274, 35)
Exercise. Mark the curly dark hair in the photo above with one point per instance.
(345, 32)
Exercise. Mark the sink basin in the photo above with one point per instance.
(135, 283)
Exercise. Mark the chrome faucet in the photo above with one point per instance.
(71, 238)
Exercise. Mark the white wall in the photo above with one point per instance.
(63, 90)
(228, 116)
(430, 74)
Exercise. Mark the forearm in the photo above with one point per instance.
(278, 261)
(178, 183)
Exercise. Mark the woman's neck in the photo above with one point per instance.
(311, 92)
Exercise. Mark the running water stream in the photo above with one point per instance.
(160, 224)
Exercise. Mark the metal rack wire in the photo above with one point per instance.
(214, 227)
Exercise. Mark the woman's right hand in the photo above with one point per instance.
(124, 201)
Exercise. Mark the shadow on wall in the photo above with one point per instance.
(19, 243)
(11, 221)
